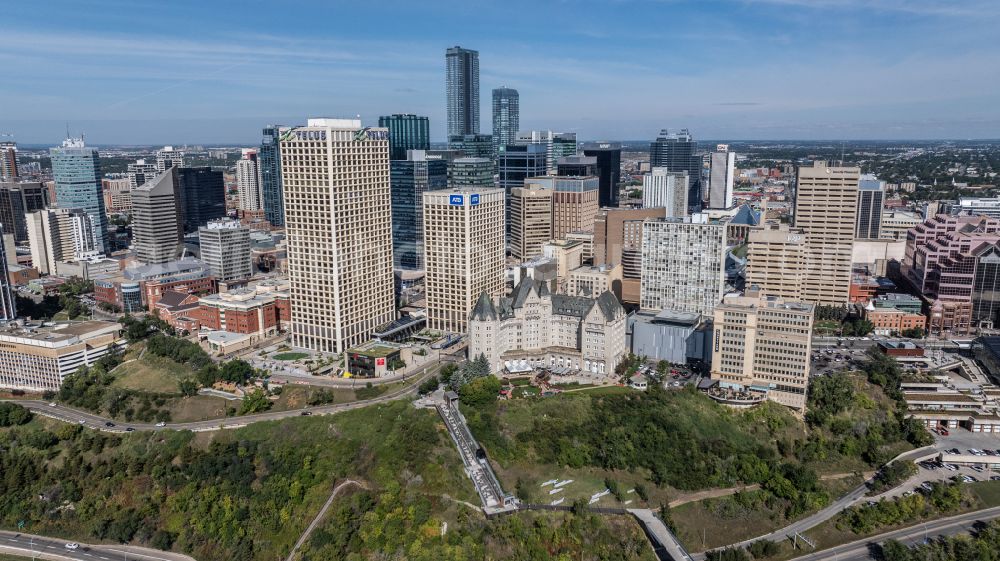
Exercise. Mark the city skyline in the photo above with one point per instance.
(836, 69)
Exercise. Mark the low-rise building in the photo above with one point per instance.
(38, 358)
(887, 321)
(675, 337)
(261, 310)
(596, 279)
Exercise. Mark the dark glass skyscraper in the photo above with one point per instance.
(506, 117)
(406, 132)
(609, 166)
(269, 160)
(409, 180)
(18, 199)
(8, 307)
(676, 152)
(871, 198)
(462, 84)
(76, 170)
(517, 162)
(203, 196)
(472, 145)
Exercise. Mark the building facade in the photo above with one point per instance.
(248, 182)
(338, 227)
(18, 199)
(463, 253)
(406, 132)
(558, 145)
(871, 198)
(203, 196)
(410, 178)
(58, 234)
(157, 225)
(609, 166)
(677, 152)
(666, 189)
(775, 260)
(530, 220)
(574, 202)
(39, 359)
(225, 249)
(117, 195)
(76, 170)
(506, 117)
(462, 86)
(470, 173)
(472, 145)
(683, 264)
(269, 160)
(721, 177)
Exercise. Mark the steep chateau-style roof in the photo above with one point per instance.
(576, 306)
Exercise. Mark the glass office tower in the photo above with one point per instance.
(506, 117)
(269, 160)
(76, 170)
(406, 132)
(409, 179)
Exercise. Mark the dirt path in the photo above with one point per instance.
(322, 513)
(716, 493)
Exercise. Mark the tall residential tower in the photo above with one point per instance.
(462, 83)
(506, 117)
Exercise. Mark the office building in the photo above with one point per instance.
(666, 189)
(18, 199)
(406, 132)
(167, 158)
(470, 173)
(203, 196)
(558, 145)
(225, 249)
(609, 165)
(472, 145)
(338, 232)
(517, 162)
(269, 162)
(721, 177)
(678, 152)
(462, 84)
(776, 258)
(826, 206)
(895, 224)
(38, 358)
(984, 206)
(262, 310)
(76, 170)
(591, 280)
(762, 345)
(8, 160)
(871, 198)
(574, 202)
(683, 264)
(506, 117)
(463, 253)
(530, 220)
(534, 328)
(577, 166)
(248, 182)
(140, 171)
(157, 222)
(58, 234)
(8, 307)
(410, 178)
(618, 240)
(117, 195)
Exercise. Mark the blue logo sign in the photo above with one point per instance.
(457, 200)
(474, 199)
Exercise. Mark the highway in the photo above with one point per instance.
(90, 420)
(860, 550)
(23, 545)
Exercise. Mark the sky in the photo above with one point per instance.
(136, 72)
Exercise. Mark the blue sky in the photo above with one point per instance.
(173, 72)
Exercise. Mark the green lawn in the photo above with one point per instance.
(290, 356)
(151, 374)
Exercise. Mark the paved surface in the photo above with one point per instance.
(319, 517)
(20, 544)
(93, 421)
(861, 549)
(661, 535)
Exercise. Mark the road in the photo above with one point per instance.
(93, 421)
(16, 543)
(859, 550)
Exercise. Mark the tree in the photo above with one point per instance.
(255, 402)
(13, 414)
(188, 387)
(480, 391)
(237, 371)
(429, 385)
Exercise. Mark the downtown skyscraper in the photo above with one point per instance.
(269, 164)
(506, 117)
(406, 132)
(676, 152)
(462, 84)
(76, 170)
(338, 223)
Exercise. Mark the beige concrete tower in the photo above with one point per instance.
(338, 223)
(775, 257)
(530, 220)
(463, 253)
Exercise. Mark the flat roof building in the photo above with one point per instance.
(38, 359)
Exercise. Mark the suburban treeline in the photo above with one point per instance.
(983, 546)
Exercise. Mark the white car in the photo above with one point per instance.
(72, 545)
(82, 421)
(52, 404)
(161, 424)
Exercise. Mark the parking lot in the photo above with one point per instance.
(831, 359)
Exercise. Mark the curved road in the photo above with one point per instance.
(90, 420)
(23, 545)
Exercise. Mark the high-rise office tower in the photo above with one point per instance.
(667, 189)
(530, 220)
(462, 84)
(157, 224)
(871, 198)
(248, 181)
(676, 152)
(574, 202)
(683, 264)
(506, 117)
(140, 171)
(463, 253)
(18, 199)
(225, 249)
(339, 232)
(203, 196)
(721, 177)
(76, 170)
(517, 162)
(168, 157)
(410, 179)
(269, 161)
(826, 207)
(58, 234)
(577, 166)
(558, 145)
(470, 173)
(8, 160)
(472, 145)
(8, 307)
(762, 346)
(406, 132)
(609, 164)
(776, 256)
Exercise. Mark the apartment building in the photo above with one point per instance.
(668, 189)
(618, 239)
(683, 264)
